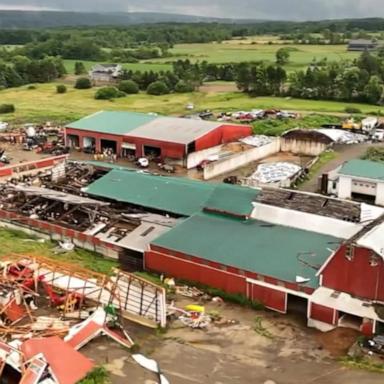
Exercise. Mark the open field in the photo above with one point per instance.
(251, 50)
(156, 67)
(43, 103)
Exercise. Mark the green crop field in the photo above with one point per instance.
(253, 50)
(44, 104)
(156, 67)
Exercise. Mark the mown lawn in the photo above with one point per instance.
(17, 242)
(44, 104)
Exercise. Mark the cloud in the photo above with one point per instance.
(257, 9)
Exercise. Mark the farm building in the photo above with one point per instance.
(362, 45)
(286, 249)
(105, 73)
(356, 179)
(138, 134)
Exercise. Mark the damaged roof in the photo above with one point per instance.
(252, 245)
(363, 168)
(170, 194)
(231, 199)
(115, 123)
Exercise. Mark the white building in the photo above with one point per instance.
(105, 72)
(356, 179)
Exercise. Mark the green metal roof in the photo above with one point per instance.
(251, 245)
(232, 199)
(170, 194)
(115, 123)
(363, 168)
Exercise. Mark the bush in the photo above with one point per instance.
(157, 88)
(61, 88)
(108, 93)
(129, 87)
(83, 83)
(352, 110)
(31, 87)
(7, 108)
(183, 87)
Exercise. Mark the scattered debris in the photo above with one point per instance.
(275, 172)
(257, 140)
(151, 365)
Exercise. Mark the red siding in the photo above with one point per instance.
(97, 136)
(322, 313)
(188, 270)
(356, 277)
(171, 150)
(222, 134)
(271, 298)
(234, 132)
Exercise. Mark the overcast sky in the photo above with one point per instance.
(257, 9)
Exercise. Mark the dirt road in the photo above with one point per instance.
(282, 351)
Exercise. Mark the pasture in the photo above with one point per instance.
(257, 50)
(44, 104)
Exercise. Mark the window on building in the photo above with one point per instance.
(334, 184)
(373, 260)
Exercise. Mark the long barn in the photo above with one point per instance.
(139, 134)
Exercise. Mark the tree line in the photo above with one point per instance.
(23, 70)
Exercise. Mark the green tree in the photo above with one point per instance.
(282, 56)
(61, 88)
(129, 87)
(83, 83)
(183, 87)
(108, 93)
(79, 68)
(157, 88)
(373, 90)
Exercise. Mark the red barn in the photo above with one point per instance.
(139, 134)
(352, 283)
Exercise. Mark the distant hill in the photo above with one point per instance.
(46, 19)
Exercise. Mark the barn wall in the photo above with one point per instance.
(223, 134)
(97, 136)
(195, 158)
(239, 160)
(169, 150)
(189, 270)
(270, 298)
(321, 313)
(356, 277)
(303, 147)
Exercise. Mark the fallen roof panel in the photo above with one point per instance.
(67, 365)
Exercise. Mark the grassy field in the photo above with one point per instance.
(44, 104)
(253, 50)
(156, 67)
(20, 243)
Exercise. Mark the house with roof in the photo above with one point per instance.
(141, 134)
(361, 45)
(357, 180)
(105, 73)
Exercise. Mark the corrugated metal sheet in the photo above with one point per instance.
(251, 245)
(174, 130)
(170, 194)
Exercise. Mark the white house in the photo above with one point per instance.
(105, 72)
(356, 179)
